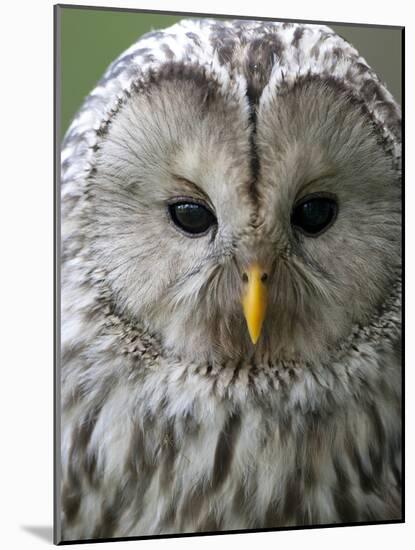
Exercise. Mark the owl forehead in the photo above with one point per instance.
(184, 120)
(257, 57)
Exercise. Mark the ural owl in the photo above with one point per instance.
(230, 316)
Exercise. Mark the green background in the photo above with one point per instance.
(91, 39)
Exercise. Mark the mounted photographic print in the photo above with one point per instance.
(228, 269)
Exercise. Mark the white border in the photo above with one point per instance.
(26, 253)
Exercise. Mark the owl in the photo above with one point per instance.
(230, 287)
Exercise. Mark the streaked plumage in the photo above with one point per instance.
(172, 420)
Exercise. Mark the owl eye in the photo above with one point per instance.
(314, 214)
(191, 217)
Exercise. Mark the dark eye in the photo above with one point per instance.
(191, 217)
(314, 214)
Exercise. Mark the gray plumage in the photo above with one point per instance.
(172, 420)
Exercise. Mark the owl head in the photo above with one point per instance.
(237, 186)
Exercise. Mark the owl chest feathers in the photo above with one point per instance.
(183, 448)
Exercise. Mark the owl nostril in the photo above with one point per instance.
(263, 278)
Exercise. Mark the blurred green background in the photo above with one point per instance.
(91, 39)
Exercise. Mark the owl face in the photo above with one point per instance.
(235, 230)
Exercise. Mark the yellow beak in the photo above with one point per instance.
(254, 300)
